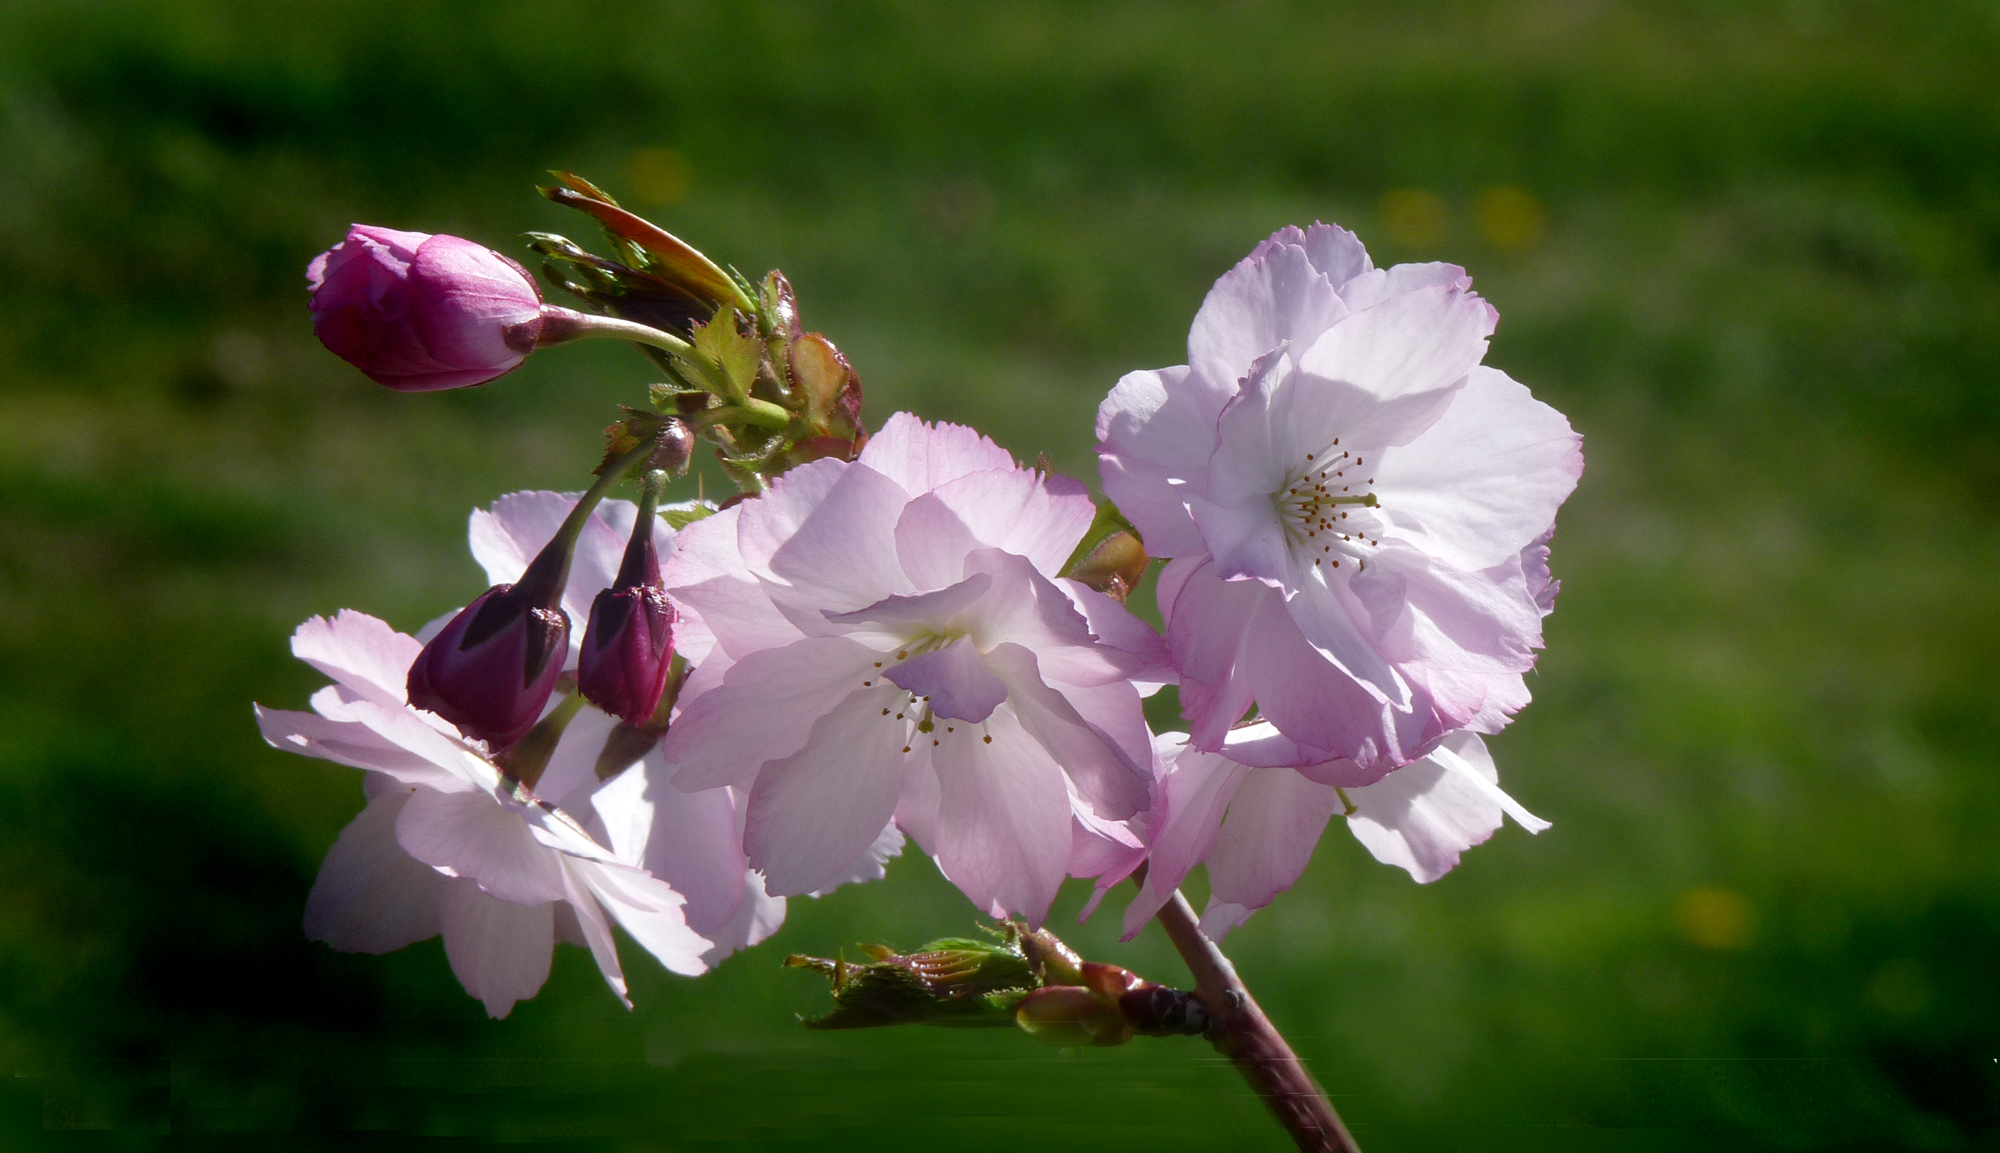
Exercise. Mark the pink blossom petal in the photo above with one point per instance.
(1026, 608)
(409, 730)
(1328, 710)
(921, 457)
(570, 777)
(1116, 715)
(1262, 746)
(747, 619)
(1371, 287)
(1196, 792)
(360, 652)
(1003, 817)
(1275, 819)
(954, 679)
(1237, 643)
(592, 926)
(758, 915)
(1324, 608)
(1274, 296)
(917, 803)
(1220, 917)
(370, 895)
(1107, 850)
(885, 623)
(767, 521)
(1337, 253)
(649, 910)
(399, 244)
(1117, 781)
(763, 710)
(1040, 517)
(1535, 573)
(1486, 479)
(708, 548)
(1466, 755)
(814, 812)
(843, 555)
(498, 950)
(691, 840)
(1114, 625)
(1254, 453)
(470, 835)
(1418, 342)
(873, 863)
(353, 744)
(472, 297)
(1422, 816)
(1155, 432)
(1468, 636)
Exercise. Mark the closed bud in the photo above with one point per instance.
(953, 981)
(628, 646)
(1114, 566)
(673, 448)
(420, 312)
(494, 667)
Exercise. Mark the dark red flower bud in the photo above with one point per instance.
(492, 670)
(628, 647)
(420, 312)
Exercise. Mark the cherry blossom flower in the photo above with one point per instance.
(1254, 821)
(677, 835)
(1349, 498)
(890, 641)
(448, 844)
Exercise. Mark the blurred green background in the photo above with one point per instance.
(1752, 249)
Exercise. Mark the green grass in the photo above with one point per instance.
(1765, 288)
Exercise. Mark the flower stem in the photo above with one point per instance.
(1240, 1031)
(750, 411)
(562, 325)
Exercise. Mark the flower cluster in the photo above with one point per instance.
(908, 634)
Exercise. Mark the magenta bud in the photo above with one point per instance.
(421, 312)
(493, 668)
(628, 647)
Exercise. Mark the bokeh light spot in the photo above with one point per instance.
(1415, 217)
(1508, 218)
(1714, 918)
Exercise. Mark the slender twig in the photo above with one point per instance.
(1240, 1031)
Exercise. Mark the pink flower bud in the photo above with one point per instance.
(419, 312)
(494, 666)
(628, 647)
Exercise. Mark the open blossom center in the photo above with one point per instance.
(1317, 504)
(913, 724)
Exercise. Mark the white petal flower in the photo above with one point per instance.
(448, 844)
(1352, 502)
(891, 643)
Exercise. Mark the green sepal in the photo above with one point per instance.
(634, 427)
(681, 515)
(722, 341)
